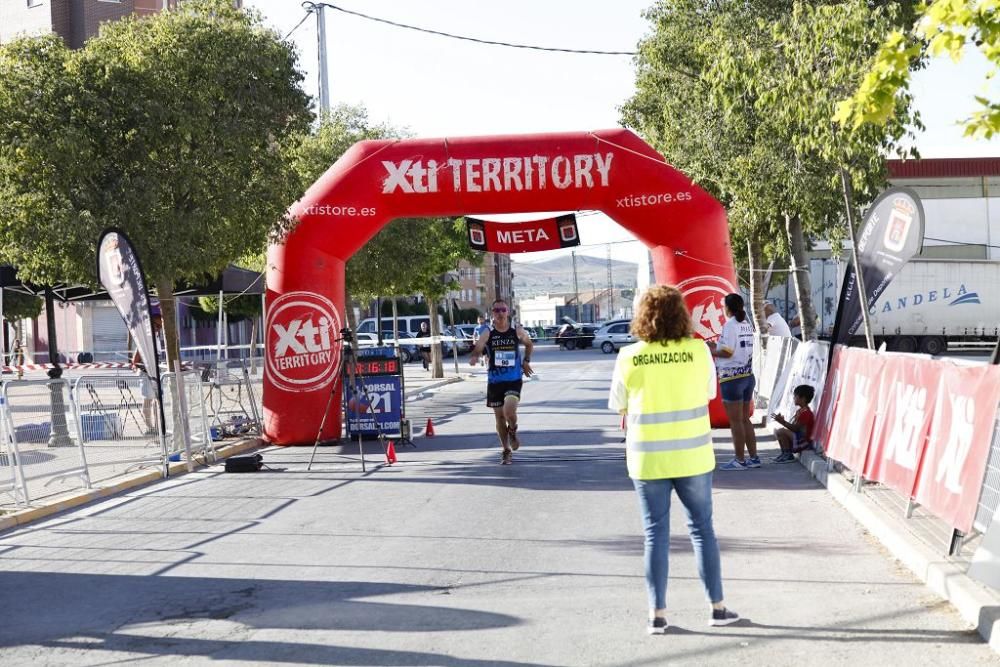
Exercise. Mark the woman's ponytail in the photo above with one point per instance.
(736, 306)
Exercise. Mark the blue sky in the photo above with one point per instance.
(435, 86)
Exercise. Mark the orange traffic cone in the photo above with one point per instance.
(429, 431)
(390, 453)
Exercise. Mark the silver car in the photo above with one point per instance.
(612, 336)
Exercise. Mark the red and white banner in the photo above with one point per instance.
(851, 430)
(951, 472)
(512, 237)
(908, 394)
(826, 407)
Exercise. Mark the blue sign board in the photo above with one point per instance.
(376, 402)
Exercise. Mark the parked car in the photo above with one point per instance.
(463, 341)
(470, 331)
(613, 335)
(407, 351)
(576, 335)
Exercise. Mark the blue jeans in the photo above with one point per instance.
(695, 494)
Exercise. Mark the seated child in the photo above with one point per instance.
(796, 435)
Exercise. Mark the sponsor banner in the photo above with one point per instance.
(704, 296)
(909, 391)
(951, 471)
(808, 367)
(121, 275)
(892, 234)
(303, 341)
(851, 429)
(825, 410)
(375, 405)
(514, 237)
(520, 173)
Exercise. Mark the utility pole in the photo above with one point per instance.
(576, 288)
(611, 288)
(324, 73)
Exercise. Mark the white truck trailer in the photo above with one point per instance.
(931, 304)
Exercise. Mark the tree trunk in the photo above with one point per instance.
(352, 321)
(436, 363)
(168, 311)
(800, 274)
(757, 289)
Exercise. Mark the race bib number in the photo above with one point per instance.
(504, 359)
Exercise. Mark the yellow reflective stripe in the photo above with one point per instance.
(670, 445)
(668, 417)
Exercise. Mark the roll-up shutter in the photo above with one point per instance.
(110, 335)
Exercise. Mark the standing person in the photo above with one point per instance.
(425, 350)
(482, 327)
(776, 324)
(146, 385)
(734, 362)
(662, 385)
(502, 345)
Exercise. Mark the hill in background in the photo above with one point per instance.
(555, 276)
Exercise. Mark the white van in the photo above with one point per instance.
(410, 323)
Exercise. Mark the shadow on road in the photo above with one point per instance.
(60, 611)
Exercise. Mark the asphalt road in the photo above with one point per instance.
(448, 558)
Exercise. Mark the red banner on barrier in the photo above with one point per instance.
(951, 471)
(908, 393)
(855, 412)
(826, 409)
(510, 237)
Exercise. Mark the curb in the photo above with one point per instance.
(84, 496)
(976, 604)
(410, 393)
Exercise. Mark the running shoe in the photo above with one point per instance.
(723, 617)
(735, 464)
(515, 442)
(657, 626)
(786, 457)
(507, 458)
(753, 462)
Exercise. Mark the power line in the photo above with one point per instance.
(297, 26)
(465, 38)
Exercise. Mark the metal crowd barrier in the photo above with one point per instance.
(192, 408)
(776, 355)
(120, 423)
(44, 435)
(232, 395)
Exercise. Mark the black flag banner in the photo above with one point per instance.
(893, 233)
(121, 275)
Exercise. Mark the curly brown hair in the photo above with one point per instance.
(662, 316)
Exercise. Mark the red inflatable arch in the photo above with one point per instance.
(377, 181)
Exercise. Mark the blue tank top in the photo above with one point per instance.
(504, 352)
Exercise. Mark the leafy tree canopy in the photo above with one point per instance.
(942, 27)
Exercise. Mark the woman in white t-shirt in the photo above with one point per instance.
(733, 354)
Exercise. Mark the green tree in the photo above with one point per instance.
(805, 62)
(439, 245)
(715, 141)
(18, 306)
(741, 96)
(174, 128)
(942, 27)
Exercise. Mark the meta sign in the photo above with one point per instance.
(375, 404)
(513, 237)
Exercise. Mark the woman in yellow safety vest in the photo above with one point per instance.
(662, 385)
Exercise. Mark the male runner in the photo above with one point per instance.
(503, 380)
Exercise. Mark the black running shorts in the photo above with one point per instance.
(496, 392)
